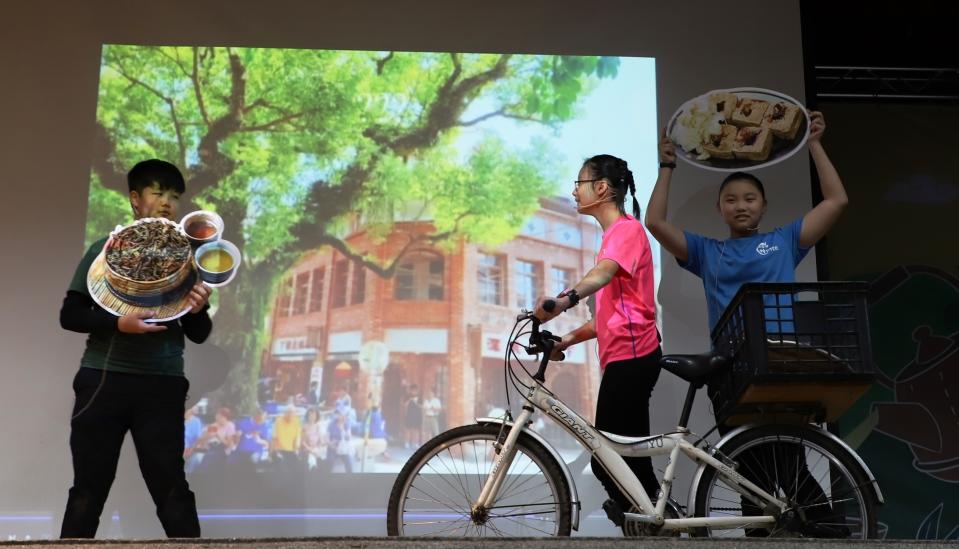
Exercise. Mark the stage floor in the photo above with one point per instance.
(538, 543)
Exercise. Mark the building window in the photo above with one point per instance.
(528, 276)
(560, 279)
(284, 297)
(314, 337)
(535, 227)
(419, 277)
(567, 235)
(359, 284)
(490, 278)
(341, 272)
(435, 291)
(301, 292)
(316, 291)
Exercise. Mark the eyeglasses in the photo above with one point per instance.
(579, 182)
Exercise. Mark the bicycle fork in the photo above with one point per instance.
(501, 465)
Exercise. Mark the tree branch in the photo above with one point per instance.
(444, 113)
(214, 165)
(277, 122)
(105, 162)
(175, 59)
(260, 102)
(325, 202)
(381, 62)
(197, 88)
(438, 237)
(181, 144)
(503, 113)
(382, 271)
(487, 116)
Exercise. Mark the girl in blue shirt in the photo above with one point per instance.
(748, 254)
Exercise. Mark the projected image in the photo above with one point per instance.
(395, 211)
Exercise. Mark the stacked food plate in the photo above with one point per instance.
(738, 129)
(150, 265)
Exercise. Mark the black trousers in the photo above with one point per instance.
(151, 408)
(622, 408)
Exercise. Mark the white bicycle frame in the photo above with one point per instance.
(609, 450)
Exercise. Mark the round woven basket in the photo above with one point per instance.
(151, 292)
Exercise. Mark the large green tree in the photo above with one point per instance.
(287, 145)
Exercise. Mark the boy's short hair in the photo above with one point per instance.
(144, 174)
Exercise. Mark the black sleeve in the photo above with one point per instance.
(80, 314)
(197, 327)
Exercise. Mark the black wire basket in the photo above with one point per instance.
(800, 352)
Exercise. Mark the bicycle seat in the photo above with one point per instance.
(694, 368)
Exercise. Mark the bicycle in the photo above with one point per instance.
(498, 477)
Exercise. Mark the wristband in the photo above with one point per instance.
(572, 295)
(670, 165)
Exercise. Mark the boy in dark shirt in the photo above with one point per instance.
(131, 379)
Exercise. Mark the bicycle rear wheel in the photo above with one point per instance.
(824, 486)
(435, 492)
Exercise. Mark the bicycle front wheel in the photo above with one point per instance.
(434, 494)
(827, 492)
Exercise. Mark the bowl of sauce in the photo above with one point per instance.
(201, 227)
(217, 261)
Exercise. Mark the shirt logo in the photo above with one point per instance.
(764, 249)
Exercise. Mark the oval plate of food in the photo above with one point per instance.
(738, 129)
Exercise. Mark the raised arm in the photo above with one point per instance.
(668, 235)
(817, 222)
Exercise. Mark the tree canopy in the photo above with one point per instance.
(286, 145)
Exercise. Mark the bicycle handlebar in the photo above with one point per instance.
(541, 340)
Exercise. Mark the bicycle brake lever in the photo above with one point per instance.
(549, 335)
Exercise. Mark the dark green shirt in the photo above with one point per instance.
(107, 348)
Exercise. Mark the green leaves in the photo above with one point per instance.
(258, 123)
(105, 210)
(484, 199)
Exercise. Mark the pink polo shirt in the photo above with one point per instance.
(626, 308)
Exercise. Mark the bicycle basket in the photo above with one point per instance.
(800, 352)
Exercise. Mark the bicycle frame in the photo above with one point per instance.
(609, 450)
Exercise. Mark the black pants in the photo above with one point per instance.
(151, 408)
(622, 408)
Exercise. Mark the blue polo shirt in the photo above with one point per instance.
(725, 265)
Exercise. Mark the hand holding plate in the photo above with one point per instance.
(667, 149)
(817, 126)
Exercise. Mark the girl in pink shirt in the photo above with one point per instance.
(624, 323)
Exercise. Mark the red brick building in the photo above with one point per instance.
(443, 317)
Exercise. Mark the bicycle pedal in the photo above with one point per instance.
(614, 512)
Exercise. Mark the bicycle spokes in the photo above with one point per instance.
(822, 497)
(440, 498)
